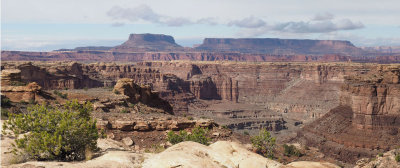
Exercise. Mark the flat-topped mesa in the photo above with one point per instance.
(280, 46)
(148, 42)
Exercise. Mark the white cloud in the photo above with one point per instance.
(248, 22)
(323, 16)
(145, 13)
(317, 26)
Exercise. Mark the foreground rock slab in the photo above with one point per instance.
(220, 154)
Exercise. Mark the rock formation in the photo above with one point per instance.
(13, 88)
(148, 42)
(280, 46)
(142, 94)
(366, 121)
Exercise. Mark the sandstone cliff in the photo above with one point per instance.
(365, 122)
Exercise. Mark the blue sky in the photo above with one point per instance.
(43, 25)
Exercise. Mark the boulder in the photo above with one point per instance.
(127, 141)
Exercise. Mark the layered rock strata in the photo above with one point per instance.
(142, 94)
(366, 121)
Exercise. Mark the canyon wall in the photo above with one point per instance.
(281, 87)
(366, 121)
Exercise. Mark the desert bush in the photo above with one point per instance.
(124, 111)
(64, 96)
(246, 133)
(117, 92)
(85, 88)
(397, 158)
(291, 150)
(54, 134)
(264, 143)
(198, 135)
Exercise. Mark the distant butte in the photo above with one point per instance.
(148, 42)
(160, 47)
(280, 46)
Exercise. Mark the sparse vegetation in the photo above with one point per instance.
(291, 150)
(50, 133)
(23, 102)
(124, 111)
(246, 133)
(264, 143)
(131, 105)
(59, 94)
(85, 88)
(190, 118)
(397, 158)
(380, 154)
(117, 92)
(157, 148)
(198, 135)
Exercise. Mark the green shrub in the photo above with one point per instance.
(380, 154)
(23, 102)
(176, 138)
(246, 133)
(64, 96)
(54, 134)
(291, 150)
(117, 92)
(124, 111)
(264, 143)
(397, 158)
(190, 118)
(198, 135)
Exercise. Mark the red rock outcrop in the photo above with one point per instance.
(142, 94)
(17, 91)
(374, 98)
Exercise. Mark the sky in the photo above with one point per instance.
(45, 25)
